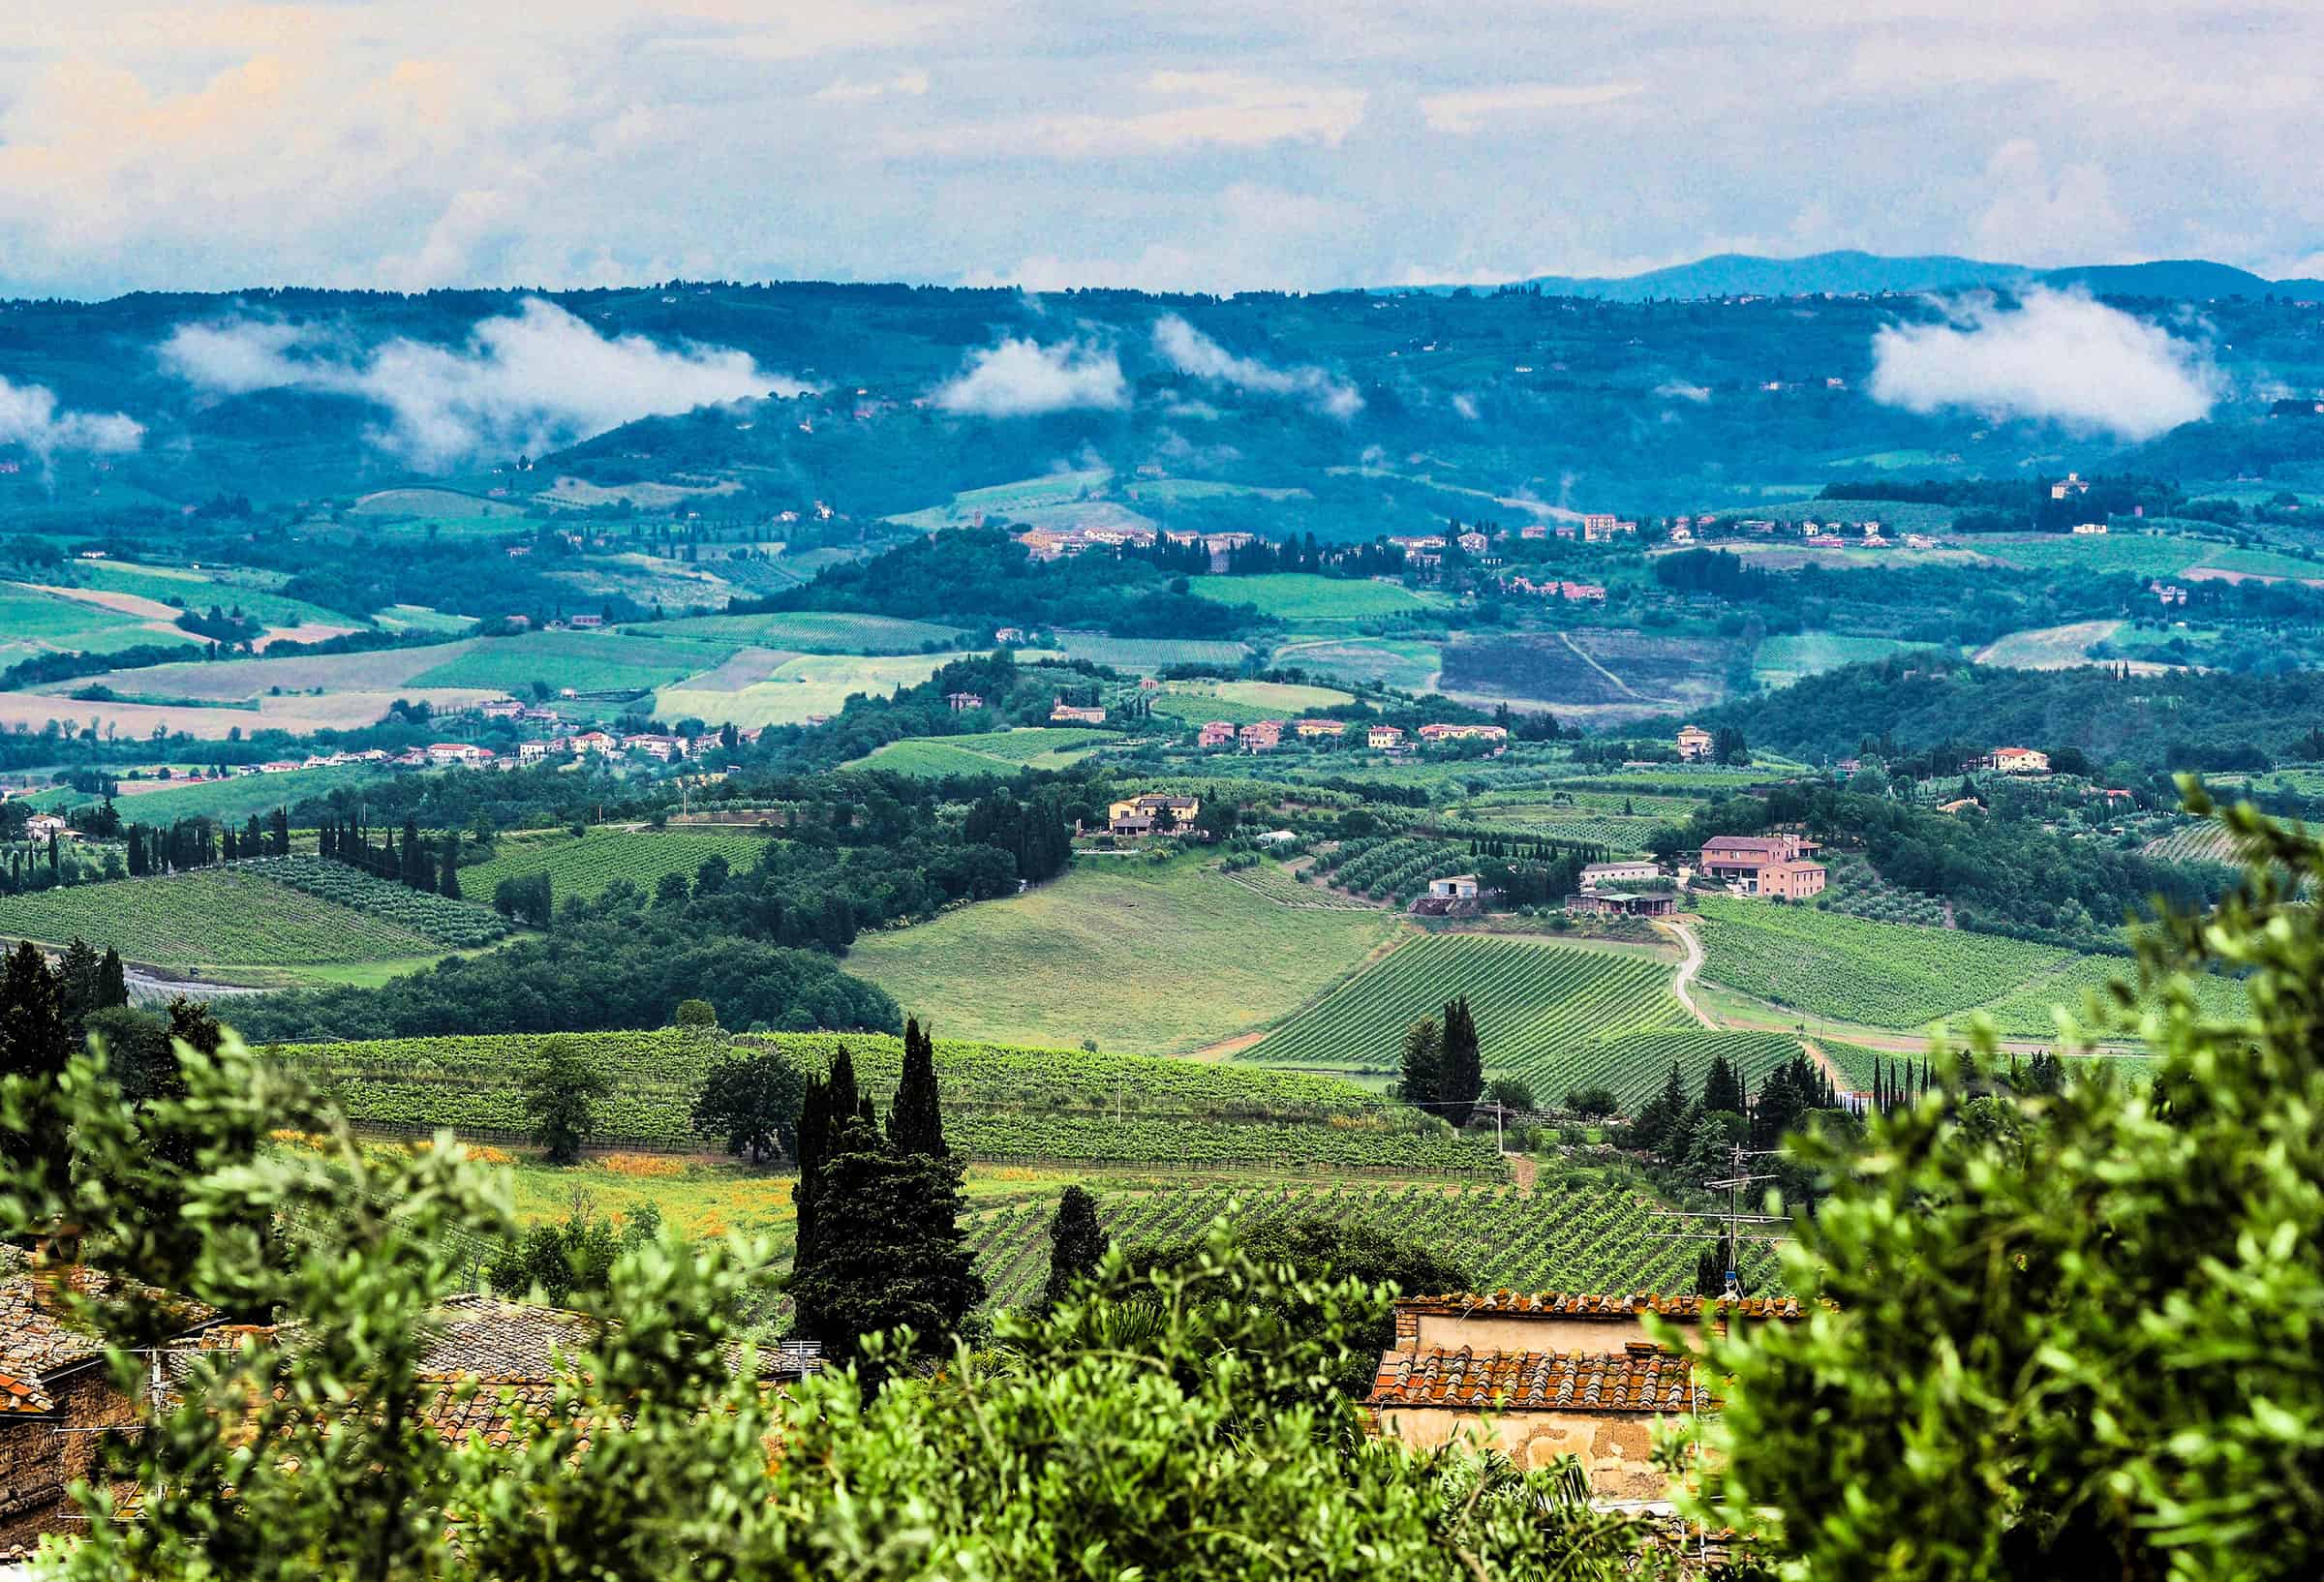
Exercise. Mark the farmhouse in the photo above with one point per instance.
(2074, 483)
(1775, 865)
(1694, 743)
(1141, 814)
(501, 708)
(1637, 870)
(1065, 713)
(1384, 738)
(1581, 593)
(2016, 761)
(1262, 736)
(1464, 733)
(2090, 529)
(1541, 1376)
(1458, 887)
(1218, 732)
(585, 623)
(458, 752)
(962, 702)
(1311, 728)
(45, 826)
(1648, 904)
(596, 742)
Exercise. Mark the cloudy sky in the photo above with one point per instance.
(1215, 144)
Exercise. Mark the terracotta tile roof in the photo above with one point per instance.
(502, 1342)
(1638, 1378)
(21, 1397)
(1590, 1305)
(35, 1344)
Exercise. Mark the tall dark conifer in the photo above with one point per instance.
(915, 1122)
(1461, 1071)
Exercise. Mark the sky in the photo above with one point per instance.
(1197, 145)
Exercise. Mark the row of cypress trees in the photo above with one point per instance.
(880, 1245)
(1444, 1064)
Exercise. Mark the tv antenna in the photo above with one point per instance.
(1731, 1219)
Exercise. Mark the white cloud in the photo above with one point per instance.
(1680, 390)
(1025, 378)
(1192, 352)
(29, 417)
(1466, 406)
(911, 84)
(2059, 356)
(1472, 110)
(1213, 109)
(2040, 217)
(530, 381)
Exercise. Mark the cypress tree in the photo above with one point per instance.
(1423, 1063)
(1663, 1114)
(447, 884)
(1720, 1088)
(1077, 1245)
(1461, 1074)
(281, 829)
(36, 1041)
(915, 1123)
(112, 981)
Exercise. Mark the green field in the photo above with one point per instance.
(236, 799)
(587, 866)
(233, 680)
(436, 505)
(1306, 597)
(1001, 1103)
(1778, 662)
(1144, 656)
(32, 622)
(221, 917)
(1242, 702)
(1153, 959)
(2262, 562)
(1897, 975)
(792, 690)
(1031, 501)
(1536, 1004)
(250, 592)
(2121, 552)
(994, 753)
(1409, 664)
(587, 661)
(2048, 648)
(806, 631)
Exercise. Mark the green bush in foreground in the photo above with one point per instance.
(2075, 1335)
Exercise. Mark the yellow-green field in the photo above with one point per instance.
(813, 683)
(1145, 958)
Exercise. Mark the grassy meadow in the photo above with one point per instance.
(1144, 957)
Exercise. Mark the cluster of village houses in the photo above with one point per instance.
(1534, 1376)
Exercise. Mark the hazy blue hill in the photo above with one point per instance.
(1848, 273)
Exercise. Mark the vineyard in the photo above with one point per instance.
(2206, 842)
(1000, 1104)
(1535, 1004)
(992, 752)
(1633, 1066)
(586, 866)
(1568, 1236)
(460, 923)
(1880, 974)
(215, 916)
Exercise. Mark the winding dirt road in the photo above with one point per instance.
(1686, 968)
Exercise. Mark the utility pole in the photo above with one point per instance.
(1734, 1219)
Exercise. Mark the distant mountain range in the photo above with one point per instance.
(1741, 274)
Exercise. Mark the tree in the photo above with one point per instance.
(698, 1015)
(447, 876)
(1659, 1123)
(1077, 1245)
(2120, 1281)
(562, 1091)
(551, 1261)
(889, 1252)
(112, 981)
(1423, 1063)
(1593, 1102)
(524, 900)
(915, 1123)
(1512, 1093)
(36, 1041)
(78, 974)
(752, 1100)
(1460, 1073)
(1722, 1088)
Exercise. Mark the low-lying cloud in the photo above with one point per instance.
(2059, 356)
(531, 380)
(1193, 353)
(1025, 378)
(30, 416)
